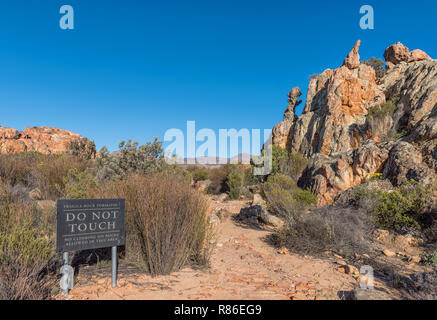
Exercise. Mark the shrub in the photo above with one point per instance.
(78, 185)
(377, 65)
(166, 221)
(401, 209)
(305, 198)
(235, 181)
(288, 163)
(24, 259)
(199, 173)
(388, 108)
(296, 163)
(130, 159)
(35, 170)
(279, 157)
(218, 178)
(375, 176)
(430, 259)
(249, 178)
(284, 197)
(177, 171)
(18, 212)
(83, 148)
(404, 208)
(26, 249)
(329, 228)
(362, 197)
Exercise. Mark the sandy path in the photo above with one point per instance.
(243, 266)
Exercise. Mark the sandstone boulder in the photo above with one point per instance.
(255, 215)
(418, 55)
(46, 140)
(398, 53)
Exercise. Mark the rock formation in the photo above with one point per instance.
(282, 130)
(334, 132)
(398, 53)
(45, 140)
(352, 60)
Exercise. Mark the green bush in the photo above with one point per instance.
(24, 259)
(249, 178)
(199, 173)
(279, 157)
(296, 163)
(430, 259)
(288, 163)
(401, 209)
(388, 108)
(34, 170)
(235, 181)
(284, 198)
(363, 197)
(26, 249)
(305, 198)
(83, 148)
(130, 159)
(78, 185)
(377, 65)
(404, 208)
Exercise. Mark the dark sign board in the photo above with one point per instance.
(89, 224)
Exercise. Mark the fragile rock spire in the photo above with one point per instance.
(352, 61)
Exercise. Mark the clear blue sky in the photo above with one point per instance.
(133, 69)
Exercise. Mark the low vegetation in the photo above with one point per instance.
(377, 65)
(341, 230)
(26, 249)
(346, 228)
(405, 208)
(285, 198)
(382, 122)
(167, 226)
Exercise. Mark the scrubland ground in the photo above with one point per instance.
(243, 266)
(196, 233)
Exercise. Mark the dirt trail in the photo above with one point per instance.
(243, 266)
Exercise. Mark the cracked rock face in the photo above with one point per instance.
(333, 132)
(45, 140)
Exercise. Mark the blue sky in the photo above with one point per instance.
(133, 69)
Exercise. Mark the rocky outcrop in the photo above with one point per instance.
(256, 215)
(334, 131)
(45, 140)
(281, 131)
(336, 100)
(398, 53)
(352, 61)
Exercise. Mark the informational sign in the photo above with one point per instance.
(90, 224)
